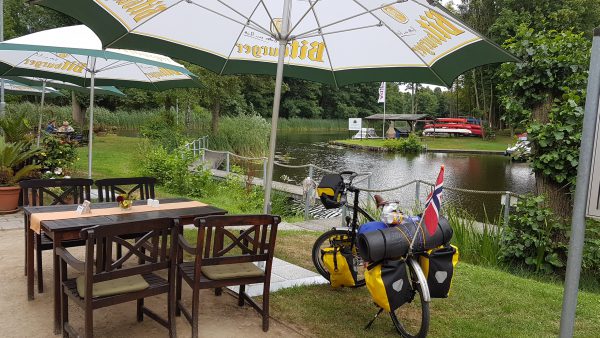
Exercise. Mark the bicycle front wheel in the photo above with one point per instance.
(412, 319)
(340, 239)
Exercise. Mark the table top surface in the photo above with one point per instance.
(76, 224)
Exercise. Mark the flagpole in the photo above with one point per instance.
(383, 134)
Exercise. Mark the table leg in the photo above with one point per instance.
(57, 296)
(29, 265)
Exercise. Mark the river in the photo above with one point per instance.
(476, 172)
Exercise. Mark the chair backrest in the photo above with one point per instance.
(110, 188)
(154, 247)
(236, 239)
(74, 191)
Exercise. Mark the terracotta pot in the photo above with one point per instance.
(9, 199)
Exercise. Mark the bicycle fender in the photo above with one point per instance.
(421, 278)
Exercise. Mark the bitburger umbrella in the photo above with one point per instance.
(335, 41)
(74, 54)
(16, 88)
(57, 84)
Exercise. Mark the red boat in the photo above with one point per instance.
(454, 126)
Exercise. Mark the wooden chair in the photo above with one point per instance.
(130, 281)
(225, 258)
(38, 192)
(110, 188)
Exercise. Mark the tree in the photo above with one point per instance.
(220, 92)
(548, 86)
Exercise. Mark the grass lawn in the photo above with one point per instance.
(500, 143)
(483, 303)
(114, 156)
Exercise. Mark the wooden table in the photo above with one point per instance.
(61, 230)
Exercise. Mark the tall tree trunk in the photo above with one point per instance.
(484, 104)
(557, 195)
(214, 125)
(475, 87)
(76, 108)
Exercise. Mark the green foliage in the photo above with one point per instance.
(57, 155)
(591, 251)
(246, 135)
(409, 145)
(556, 143)
(477, 246)
(554, 68)
(535, 237)
(163, 129)
(169, 167)
(13, 158)
(16, 127)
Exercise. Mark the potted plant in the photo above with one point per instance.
(13, 168)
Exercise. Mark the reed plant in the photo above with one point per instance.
(478, 242)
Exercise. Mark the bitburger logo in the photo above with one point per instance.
(395, 14)
(276, 25)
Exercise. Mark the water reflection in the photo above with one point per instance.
(476, 172)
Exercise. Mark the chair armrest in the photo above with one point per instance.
(70, 259)
(185, 245)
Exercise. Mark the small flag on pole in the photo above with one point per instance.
(433, 204)
(381, 93)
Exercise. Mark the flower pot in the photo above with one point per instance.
(9, 199)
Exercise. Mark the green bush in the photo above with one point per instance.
(409, 145)
(162, 129)
(535, 237)
(57, 156)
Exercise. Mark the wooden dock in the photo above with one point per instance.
(279, 186)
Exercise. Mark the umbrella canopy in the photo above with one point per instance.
(74, 54)
(16, 88)
(336, 42)
(99, 90)
(67, 54)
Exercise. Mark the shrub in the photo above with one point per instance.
(162, 129)
(409, 145)
(535, 237)
(57, 155)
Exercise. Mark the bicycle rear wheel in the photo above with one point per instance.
(414, 314)
(341, 239)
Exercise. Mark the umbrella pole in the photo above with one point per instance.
(39, 134)
(91, 131)
(268, 180)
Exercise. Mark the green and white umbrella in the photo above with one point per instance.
(16, 88)
(37, 81)
(74, 54)
(330, 41)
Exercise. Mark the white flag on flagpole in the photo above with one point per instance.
(381, 93)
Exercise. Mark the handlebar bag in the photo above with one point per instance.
(388, 284)
(330, 190)
(438, 266)
(340, 266)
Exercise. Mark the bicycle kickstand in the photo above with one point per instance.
(373, 320)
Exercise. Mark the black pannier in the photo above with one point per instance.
(330, 190)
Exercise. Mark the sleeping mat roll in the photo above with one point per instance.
(394, 241)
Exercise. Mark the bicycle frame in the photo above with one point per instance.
(412, 260)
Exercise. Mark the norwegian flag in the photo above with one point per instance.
(433, 203)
